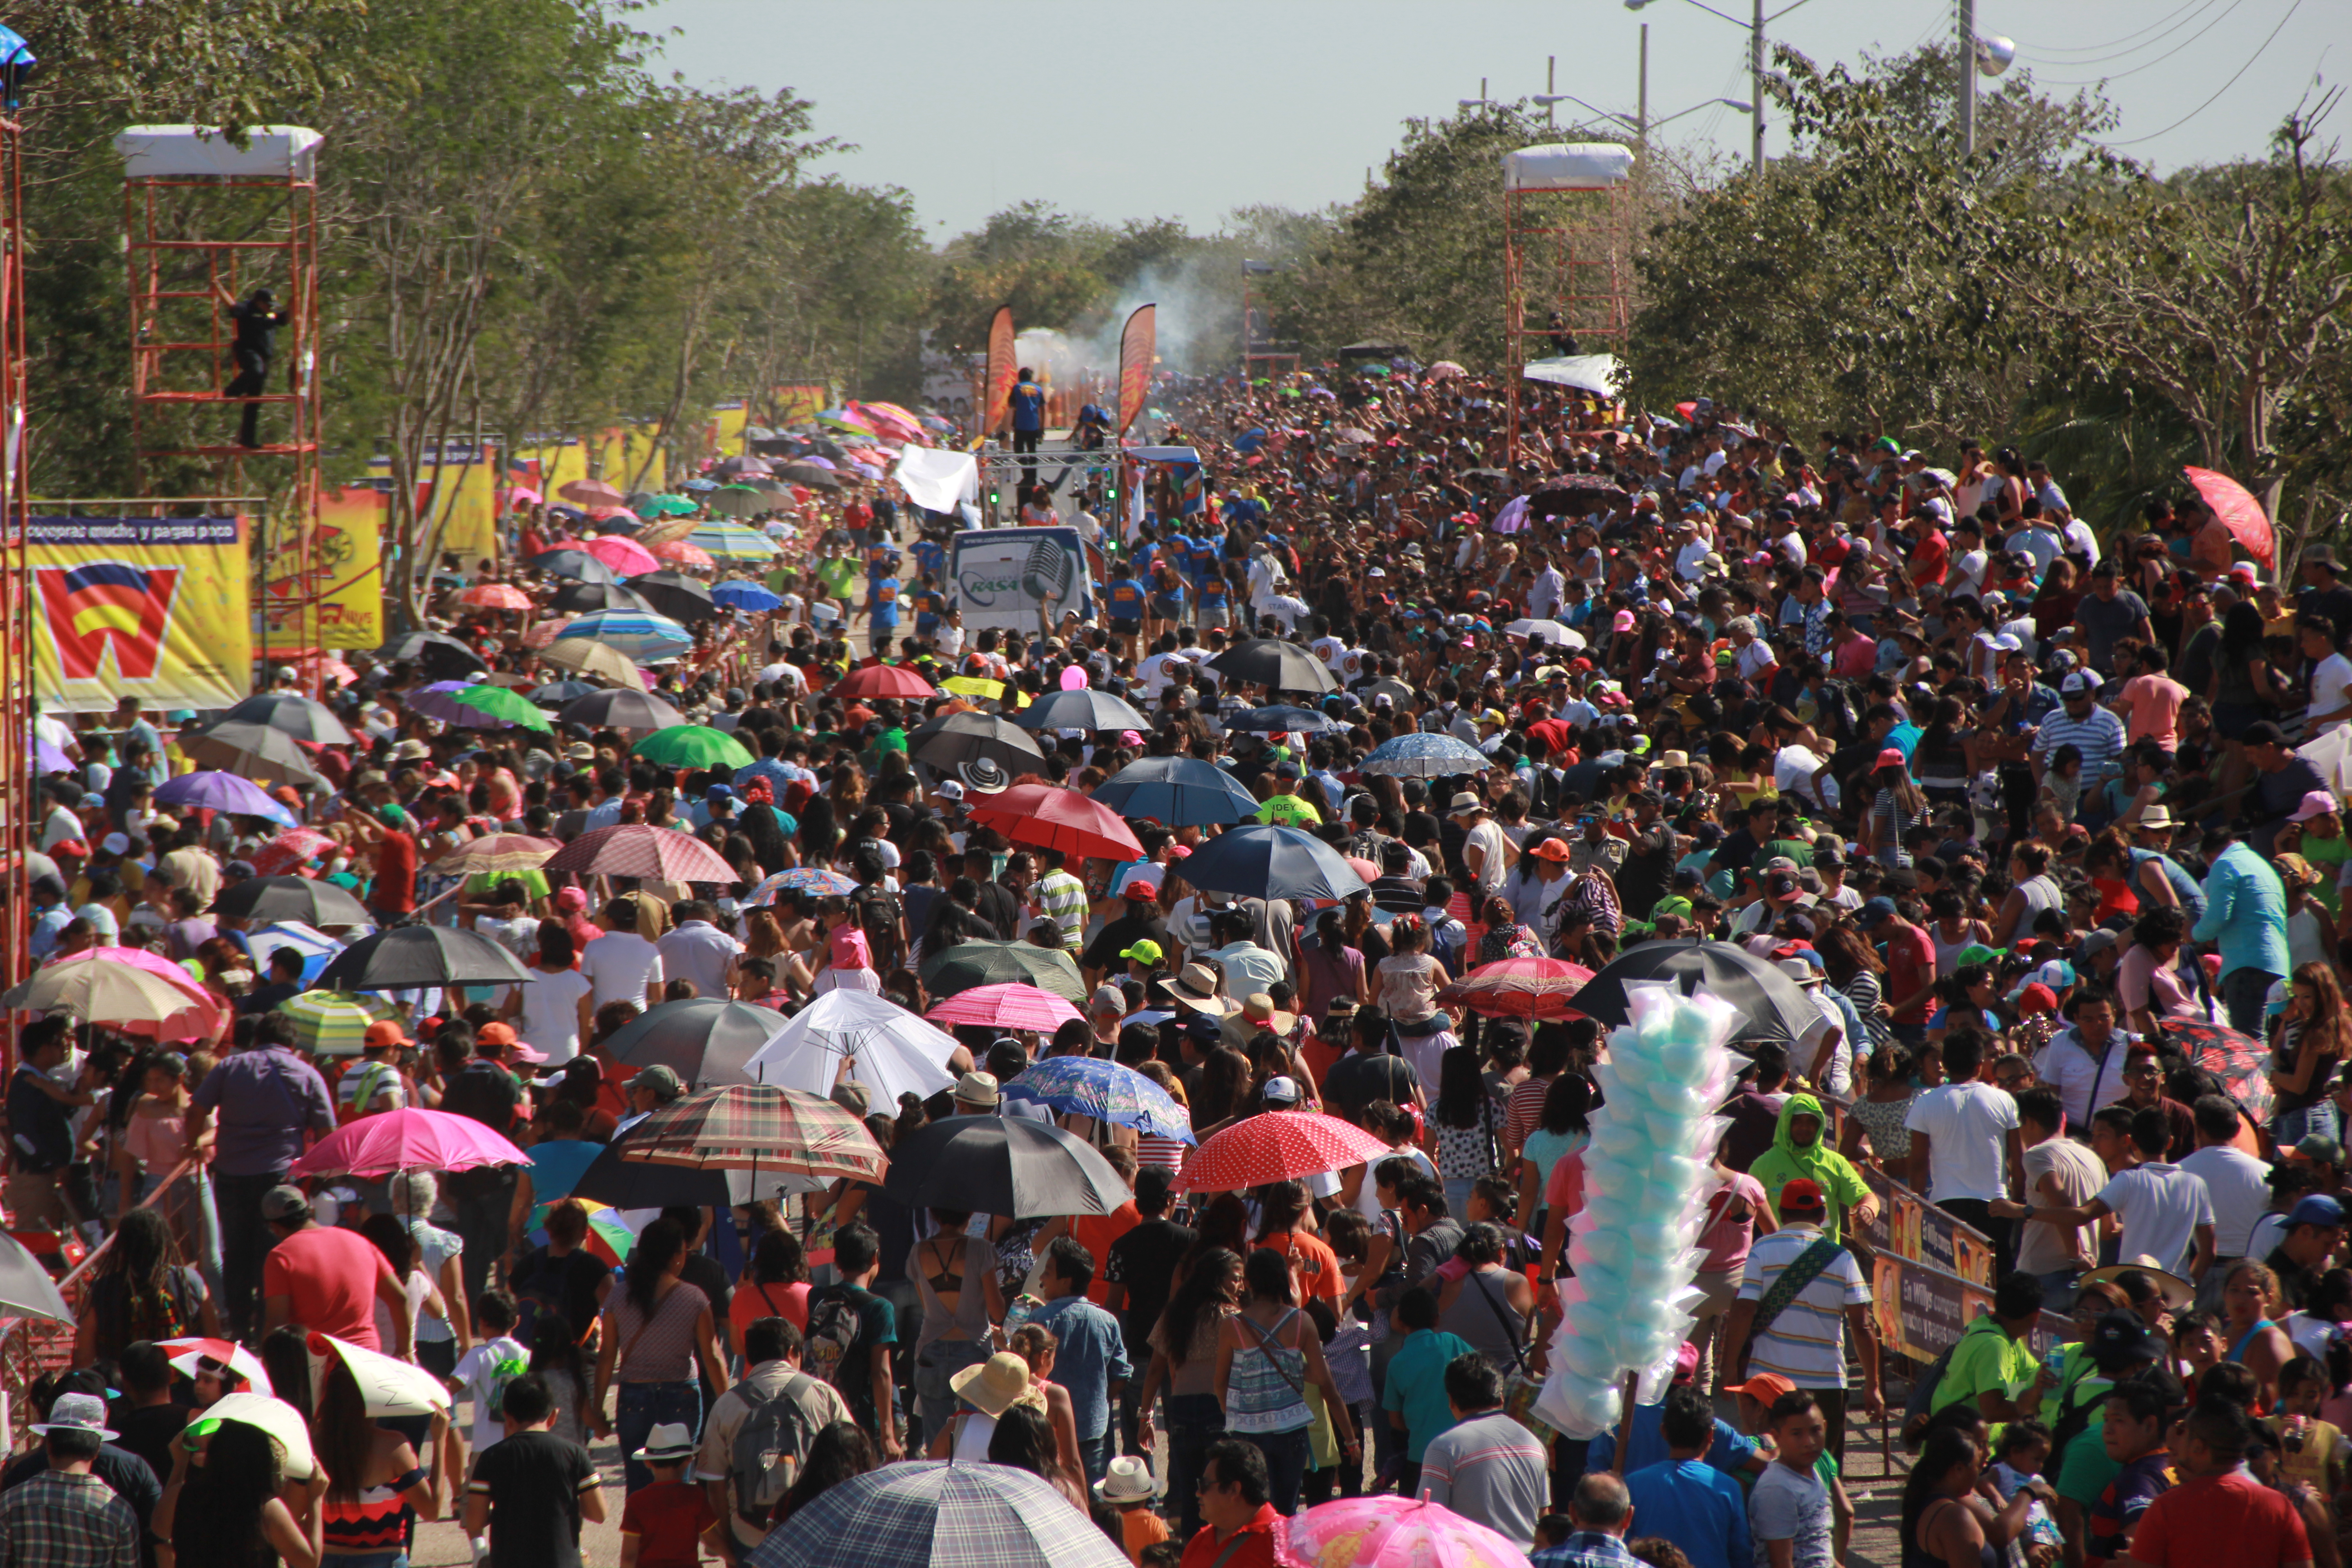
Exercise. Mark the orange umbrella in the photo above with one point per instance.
(2240, 512)
(679, 553)
(1055, 818)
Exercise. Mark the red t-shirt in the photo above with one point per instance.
(669, 1517)
(753, 1301)
(329, 1275)
(394, 891)
(1255, 1550)
(1096, 1232)
(1910, 967)
(1931, 558)
(2229, 1519)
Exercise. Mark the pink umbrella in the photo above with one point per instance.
(2240, 512)
(605, 513)
(411, 1139)
(590, 492)
(641, 850)
(522, 495)
(199, 1019)
(286, 853)
(625, 557)
(1012, 1006)
(1391, 1533)
(679, 552)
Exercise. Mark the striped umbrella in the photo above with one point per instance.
(684, 553)
(1089, 1086)
(289, 850)
(640, 849)
(334, 1023)
(758, 1127)
(494, 853)
(494, 597)
(815, 881)
(499, 704)
(732, 541)
(645, 638)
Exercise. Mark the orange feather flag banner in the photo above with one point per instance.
(1137, 349)
(1001, 368)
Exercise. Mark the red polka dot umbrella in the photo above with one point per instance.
(1278, 1146)
(1520, 988)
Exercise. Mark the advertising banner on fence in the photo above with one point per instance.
(156, 608)
(345, 570)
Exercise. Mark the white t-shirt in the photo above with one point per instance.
(621, 965)
(2238, 1187)
(1286, 608)
(2161, 1206)
(1793, 773)
(1968, 1127)
(550, 1019)
(1489, 838)
(477, 1370)
(2331, 690)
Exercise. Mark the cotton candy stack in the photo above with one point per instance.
(1629, 1307)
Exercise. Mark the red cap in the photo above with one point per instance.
(2036, 998)
(1803, 1193)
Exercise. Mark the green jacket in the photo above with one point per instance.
(1784, 1162)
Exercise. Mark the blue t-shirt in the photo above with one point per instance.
(1125, 597)
(1028, 407)
(885, 611)
(1416, 1385)
(1645, 1445)
(1696, 1507)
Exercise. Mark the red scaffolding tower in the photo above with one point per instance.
(206, 222)
(19, 752)
(1567, 212)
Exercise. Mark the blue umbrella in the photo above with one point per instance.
(1276, 721)
(748, 597)
(1177, 791)
(699, 485)
(317, 948)
(1087, 1086)
(563, 691)
(1426, 756)
(645, 638)
(1264, 861)
(212, 790)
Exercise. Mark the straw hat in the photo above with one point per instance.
(1129, 1480)
(1258, 1009)
(1196, 988)
(994, 1385)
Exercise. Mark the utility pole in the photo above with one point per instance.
(1549, 62)
(1968, 77)
(1756, 73)
(1641, 104)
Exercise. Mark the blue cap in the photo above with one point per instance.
(2316, 1210)
(1873, 912)
(717, 792)
(1202, 1028)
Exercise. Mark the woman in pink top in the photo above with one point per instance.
(1736, 1214)
(2151, 701)
(775, 1285)
(154, 1131)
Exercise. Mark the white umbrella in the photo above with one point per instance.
(280, 1420)
(390, 1388)
(1550, 631)
(891, 1051)
(316, 946)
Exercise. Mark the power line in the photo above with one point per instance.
(2151, 65)
(2224, 87)
(2094, 49)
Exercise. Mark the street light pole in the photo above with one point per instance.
(1968, 77)
(1642, 105)
(1756, 85)
(1549, 62)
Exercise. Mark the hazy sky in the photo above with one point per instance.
(1187, 108)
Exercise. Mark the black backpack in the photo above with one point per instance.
(833, 1327)
(877, 917)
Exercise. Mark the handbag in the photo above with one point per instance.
(1521, 1388)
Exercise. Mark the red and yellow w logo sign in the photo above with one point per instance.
(89, 607)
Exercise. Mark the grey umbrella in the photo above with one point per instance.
(304, 718)
(1085, 708)
(1276, 665)
(25, 1288)
(259, 751)
(968, 737)
(622, 710)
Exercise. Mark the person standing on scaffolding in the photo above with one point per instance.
(1028, 410)
(256, 327)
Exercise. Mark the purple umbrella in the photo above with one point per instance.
(215, 791)
(813, 461)
(438, 702)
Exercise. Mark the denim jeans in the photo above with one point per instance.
(1094, 1453)
(1195, 1421)
(2244, 992)
(1287, 1456)
(479, 1201)
(245, 1242)
(1457, 1194)
(940, 1359)
(643, 1406)
(2316, 1120)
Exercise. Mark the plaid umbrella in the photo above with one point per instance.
(500, 704)
(815, 881)
(1089, 1086)
(1279, 1146)
(334, 1023)
(494, 597)
(494, 853)
(938, 1514)
(758, 1127)
(288, 851)
(684, 552)
(640, 849)
(693, 746)
(1520, 988)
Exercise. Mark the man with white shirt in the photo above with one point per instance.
(621, 965)
(1964, 1139)
(2237, 1184)
(2331, 675)
(2166, 1212)
(698, 951)
(1544, 597)
(1692, 548)
(1284, 609)
(2085, 1063)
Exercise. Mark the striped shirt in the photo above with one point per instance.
(1061, 899)
(2099, 734)
(1805, 1343)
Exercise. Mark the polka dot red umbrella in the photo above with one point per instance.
(1278, 1146)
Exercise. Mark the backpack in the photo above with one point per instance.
(832, 1330)
(769, 1447)
(1447, 939)
(877, 917)
(1920, 1406)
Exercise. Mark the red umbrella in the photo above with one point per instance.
(679, 553)
(1278, 1146)
(2240, 512)
(2241, 1061)
(494, 597)
(1053, 817)
(289, 852)
(640, 849)
(1520, 988)
(884, 680)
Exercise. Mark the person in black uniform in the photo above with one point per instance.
(258, 321)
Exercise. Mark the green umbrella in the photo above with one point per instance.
(738, 501)
(502, 702)
(974, 964)
(666, 506)
(334, 1023)
(693, 746)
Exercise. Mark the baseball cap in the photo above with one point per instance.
(76, 1412)
(2317, 1209)
(119, 843)
(1281, 1091)
(2319, 1149)
(283, 1203)
(1144, 951)
(1764, 1387)
(2318, 802)
(2081, 683)
(2120, 1339)
(661, 1078)
(1202, 1029)
(2036, 998)
(384, 1031)
(496, 1034)
(1803, 1193)
(950, 789)
(1892, 757)
(1110, 997)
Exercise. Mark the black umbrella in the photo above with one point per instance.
(679, 597)
(1772, 1006)
(968, 737)
(1282, 719)
(610, 1178)
(576, 563)
(616, 524)
(406, 958)
(973, 963)
(586, 598)
(442, 656)
(304, 718)
(1261, 860)
(259, 752)
(705, 1040)
(561, 692)
(1271, 662)
(619, 707)
(1176, 792)
(269, 899)
(1085, 708)
(1002, 1164)
(811, 476)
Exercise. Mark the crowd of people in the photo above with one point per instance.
(2008, 807)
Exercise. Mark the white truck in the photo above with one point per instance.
(1021, 579)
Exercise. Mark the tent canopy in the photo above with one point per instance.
(1568, 166)
(1600, 373)
(204, 151)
